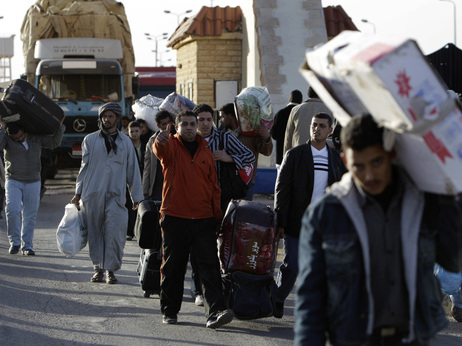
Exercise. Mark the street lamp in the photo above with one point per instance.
(156, 38)
(366, 21)
(455, 20)
(178, 15)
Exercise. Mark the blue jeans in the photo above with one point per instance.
(450, 284)
(249, 195)
(288, 270)
(22, 201)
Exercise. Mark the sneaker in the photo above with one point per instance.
(110, 278)
(98, 276)
(220, 319)
(169, 319)
(199, 301)
(456, 313)
(279, 310)
(29, 252)
(14, 249)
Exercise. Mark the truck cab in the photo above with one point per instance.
(80, 75)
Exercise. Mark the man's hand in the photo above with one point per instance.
(262, 132)
(221, 155)
(76, 199)
(135, 205)
(163, 136)
(280, 233)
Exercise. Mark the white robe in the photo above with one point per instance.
(102, 183)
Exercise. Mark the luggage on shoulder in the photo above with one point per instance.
(31, 109)
(149, 271)
(147, 229)
(249, 238)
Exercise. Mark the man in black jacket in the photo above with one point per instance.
(305, 173)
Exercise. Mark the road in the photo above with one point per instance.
(49, 300)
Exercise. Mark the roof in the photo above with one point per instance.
(210, 21)
(337, 21)
(156, 75)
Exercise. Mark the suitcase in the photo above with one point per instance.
(147, 229)
(31, 109)
(248, 238)
(149, 271)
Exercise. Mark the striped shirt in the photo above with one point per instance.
(321, 172)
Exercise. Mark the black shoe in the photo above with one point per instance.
(98, 276)
(220, 319)
(456, 313)
(279, 311)
(14, 249)
(29, 252)
(110, 278)
(129, 237)
(169, 319)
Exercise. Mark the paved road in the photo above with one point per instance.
(48, 299)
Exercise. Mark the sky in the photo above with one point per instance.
(429, 22)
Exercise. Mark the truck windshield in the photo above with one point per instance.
(81, 87)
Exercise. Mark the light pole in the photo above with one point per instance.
(178, 15)
(368, 22)
(455, 20)
(156, 38)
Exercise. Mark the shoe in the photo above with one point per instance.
(456, 313)
(199, 301)
(279, 311)
(14, 249)
(129, 237)
(220, 319)
(110, 277)
(29, 252)
(169, 319)
(98, 276)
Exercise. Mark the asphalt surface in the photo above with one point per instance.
(48, 299)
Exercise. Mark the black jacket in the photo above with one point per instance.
(294, 185)
(278, 131)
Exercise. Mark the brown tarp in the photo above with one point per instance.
(68, 18)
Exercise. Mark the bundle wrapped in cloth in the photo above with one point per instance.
(146, 108)
(253, 108)
(175, 103)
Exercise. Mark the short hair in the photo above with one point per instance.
(203, 107)
(161, 115)
(141, 121)
(13, 128)
(322, 115)
(361, 132)
(296, 96)
(185, 113)
(134, 123)
(312, 94)
(228, 109)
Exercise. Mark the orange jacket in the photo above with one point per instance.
(190, 187)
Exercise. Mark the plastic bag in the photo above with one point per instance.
(71, 235)
(146, 108)
(175, 103)
(253, 108)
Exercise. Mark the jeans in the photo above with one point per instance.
(288, 270)
(22, 200)
(450, 284)
(249, 195)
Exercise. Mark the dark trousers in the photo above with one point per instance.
(180, 237)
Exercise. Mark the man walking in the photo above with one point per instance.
(22, 182)
(305, 173)
(190, 214)
(108, 166)
(369, 246)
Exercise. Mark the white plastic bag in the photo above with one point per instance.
(175, 103)
(253, 108)
(146, 108)
(71, 235)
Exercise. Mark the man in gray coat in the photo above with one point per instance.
(109, 165)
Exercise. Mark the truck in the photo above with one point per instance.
(80, 54)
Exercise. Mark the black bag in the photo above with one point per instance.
(249, 296)
(147, 229)
(149, 271)
(31, 109)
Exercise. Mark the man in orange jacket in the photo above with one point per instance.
(190, 213)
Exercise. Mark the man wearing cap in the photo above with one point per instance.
(109, 165)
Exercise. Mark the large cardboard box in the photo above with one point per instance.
(390, 78)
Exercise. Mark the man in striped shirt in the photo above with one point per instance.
(306, 171)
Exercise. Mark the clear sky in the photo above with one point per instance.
(430, 22)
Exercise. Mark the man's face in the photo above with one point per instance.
(164, 123)
(227, 120)
(125, 122)
(134, 133)
(109, 120)
(319, 129)
(187, 128)
(19, 137)
(371, 167)
(144, 128)
(205, 121)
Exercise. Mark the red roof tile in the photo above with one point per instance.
(337, 21)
